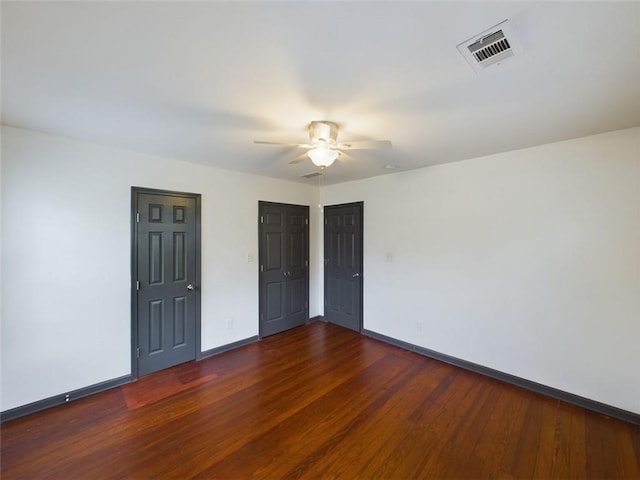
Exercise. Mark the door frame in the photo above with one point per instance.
(360, 207)
(135, 191)
(261, 305)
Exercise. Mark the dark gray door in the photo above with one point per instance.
(167, 264)
(284, 267)
(297, 261)
(343, 265)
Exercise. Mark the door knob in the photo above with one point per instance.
(190, 287)
(355, 275)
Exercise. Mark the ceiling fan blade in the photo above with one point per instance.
(298, 159)
(301, 145)
(365, 145)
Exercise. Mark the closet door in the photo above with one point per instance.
(343, 234)
(297, 261)
(284, 267)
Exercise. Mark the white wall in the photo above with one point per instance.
(66, 257)
(527, 262)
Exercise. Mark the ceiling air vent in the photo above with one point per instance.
(490, 47)
(311, 175)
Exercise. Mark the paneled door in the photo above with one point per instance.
(284, 266)
(343, 235)
(166, 267)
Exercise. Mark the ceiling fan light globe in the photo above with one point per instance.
(322, 157)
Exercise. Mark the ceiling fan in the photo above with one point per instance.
(324, 148)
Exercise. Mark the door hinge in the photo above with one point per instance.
(137, 217)
(261, 219)
(138, 352)
(306, 263)
(306, 221)
(262, 317)
(262, 268)
(137, 285)
(325, 221)
(306, 304)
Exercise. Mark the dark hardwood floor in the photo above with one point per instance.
(318, 402)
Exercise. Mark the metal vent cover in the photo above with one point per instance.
(311, 175)
(490, 47)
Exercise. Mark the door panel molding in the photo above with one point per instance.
(177, 215)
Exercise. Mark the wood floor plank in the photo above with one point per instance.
(562, 447)
(425, 442)
(318, 401)
(523, 464)
(315, 429)
(460, 456)
(513, 426)
(396, 437)
(366, 443)
(255, 409)
(627, 455)
(497, 433)
(455, 436)
(333, 442)
(546, 452)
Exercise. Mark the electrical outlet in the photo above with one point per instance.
(388, 257)
(419, 326)
(251, 257)
(229, 323)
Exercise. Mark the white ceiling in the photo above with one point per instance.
(200, 81)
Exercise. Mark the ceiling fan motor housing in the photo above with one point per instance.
(323, 132)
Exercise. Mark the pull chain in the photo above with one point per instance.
(320, 185)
